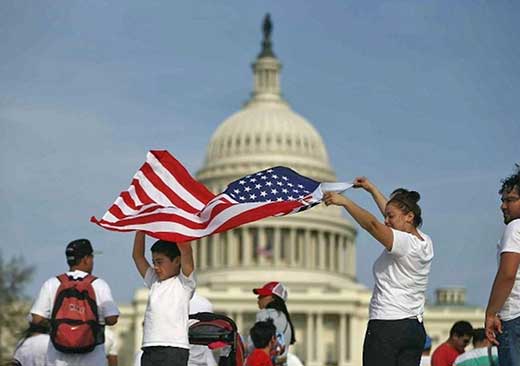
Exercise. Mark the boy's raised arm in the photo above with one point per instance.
(138, 253)
(187, 264)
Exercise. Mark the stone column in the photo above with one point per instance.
(292, 247)
(277, 246)
(352, 256)
(307, 247)
(215, 251)
(230, 254)
(322, 249)
(310, 340)
(342, 254)
(262, 246)
(332, 252)
(356, 334)
(246, 246)
(239, 320)
(342, 342)
(320, 351)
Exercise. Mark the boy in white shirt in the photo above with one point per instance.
(171, 282)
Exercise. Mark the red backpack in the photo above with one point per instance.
(74, 320)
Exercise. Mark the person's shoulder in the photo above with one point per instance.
(268, 313)
(513, 226)
(99, 282)
(51, 281)
(258, 358)
(440, 348)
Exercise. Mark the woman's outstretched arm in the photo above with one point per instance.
(379, 198)
(377, 229)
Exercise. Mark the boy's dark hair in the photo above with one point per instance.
(479, 335)
(511, 182)
(168, 248)
(262, 333)
(461, 328)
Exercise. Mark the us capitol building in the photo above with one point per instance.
(313, 253)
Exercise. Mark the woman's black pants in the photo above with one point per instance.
(393, 342)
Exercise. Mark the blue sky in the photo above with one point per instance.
(409, 93)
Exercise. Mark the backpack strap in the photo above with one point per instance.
(63, 278)
(88, 279)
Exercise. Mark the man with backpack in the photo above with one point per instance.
(78, 306)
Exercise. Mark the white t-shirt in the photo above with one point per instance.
(511, 243)
(200, 355)
(111, 343)
(401, 278)
(106, 308)
(166, 315)
(33, 351)
(425, 361)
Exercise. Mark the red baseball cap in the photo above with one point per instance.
(272, 288)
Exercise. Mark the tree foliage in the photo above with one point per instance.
(15, 274)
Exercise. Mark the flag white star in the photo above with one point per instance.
(247, 189)
(242, 182)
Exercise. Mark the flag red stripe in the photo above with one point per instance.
(128, 200)
(140, 192)
(159, 184)
(197, 189)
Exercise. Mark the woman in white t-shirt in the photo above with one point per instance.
(395, 333)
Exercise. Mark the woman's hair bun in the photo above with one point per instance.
(414, 196)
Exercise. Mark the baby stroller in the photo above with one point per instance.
(218, 332)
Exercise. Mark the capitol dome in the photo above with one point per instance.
(266, 132)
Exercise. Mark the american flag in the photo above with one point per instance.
(166, 202)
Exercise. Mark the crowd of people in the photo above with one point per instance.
(71, 317)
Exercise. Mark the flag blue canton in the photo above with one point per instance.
(271, 185)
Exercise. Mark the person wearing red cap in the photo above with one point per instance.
(271, 301)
